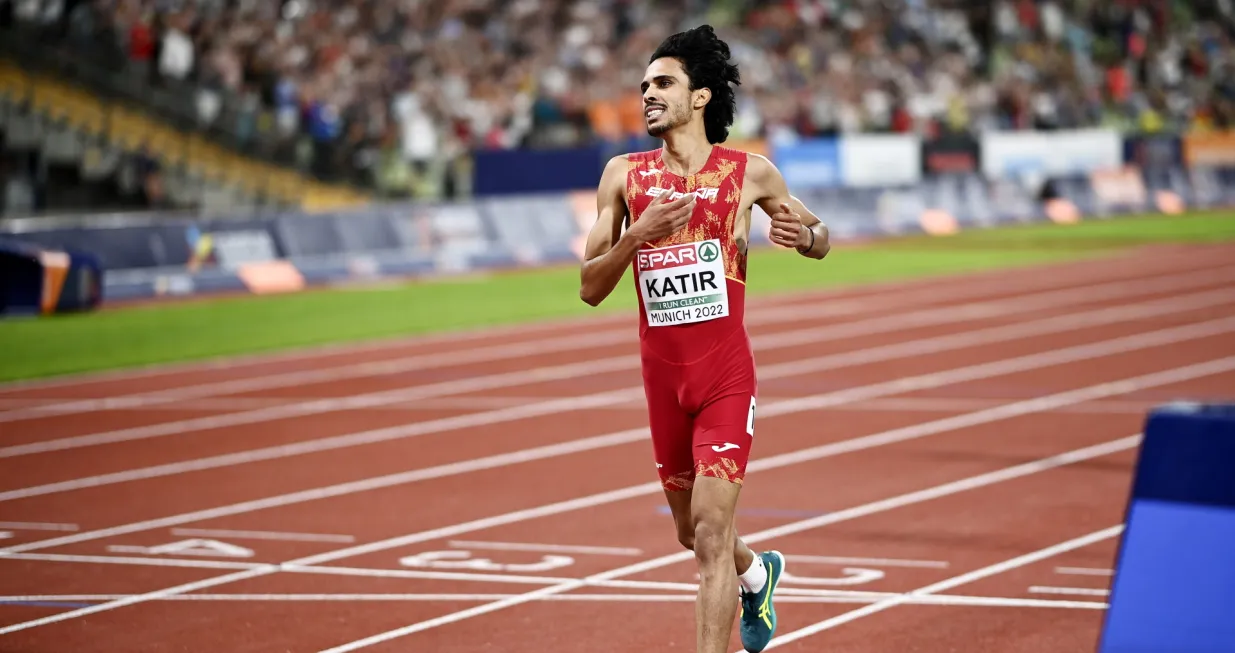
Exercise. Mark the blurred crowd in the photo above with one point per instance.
(395, 93)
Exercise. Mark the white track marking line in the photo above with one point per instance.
(878, 562)
(412, 574)
(858, 357)
(880, 324)
(955, 581)
(263, 535)
(551, 548)
(962, 404)
(237, 404)
(1084, 571)
(135, 560)
(504, 579)
(946, 489)
(989, 601)
(474, 402)
(912, 498)
(37, 526)
(320, 406)
(417, 574)
(151, 561)
(1006, 411)
(332, 443)
(1074, 591)
(889, 294)
(10, 404)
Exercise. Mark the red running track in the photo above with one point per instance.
(935, 481)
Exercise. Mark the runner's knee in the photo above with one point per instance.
(711, 537)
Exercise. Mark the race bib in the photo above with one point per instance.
(683, 284)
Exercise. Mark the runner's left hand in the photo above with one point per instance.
(787, 227)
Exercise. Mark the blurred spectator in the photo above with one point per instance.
(395, 93)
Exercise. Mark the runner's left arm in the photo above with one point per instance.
(793, 224)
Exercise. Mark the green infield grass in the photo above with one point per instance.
(210, 327)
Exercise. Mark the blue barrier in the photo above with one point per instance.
(1174, 586)
(499, 172)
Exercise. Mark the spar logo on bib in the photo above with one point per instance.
(682, 284)
(667, 257)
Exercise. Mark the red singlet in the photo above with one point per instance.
(698, 367)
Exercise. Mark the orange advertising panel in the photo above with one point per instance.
(1209, 149)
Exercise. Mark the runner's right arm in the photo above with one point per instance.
(609, 251)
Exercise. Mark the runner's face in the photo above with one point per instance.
(666, 96)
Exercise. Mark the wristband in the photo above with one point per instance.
(812, 242)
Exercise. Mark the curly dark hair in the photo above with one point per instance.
(706, 61)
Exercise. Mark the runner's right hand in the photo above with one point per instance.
(663, 217)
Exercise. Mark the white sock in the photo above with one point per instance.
(754, 578)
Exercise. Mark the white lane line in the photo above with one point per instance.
(880, 324)
(37, 526)
(1071, 591)
(409, 574)
(884, 295)
(858, 357)
(191, 563)
(418, 574)
(501, 579)
(1006, 411)
(10, 404)
(942, 586)
(263, 535)
(963, 404)
(550, 548)
(237, 404)
(1084, 571)
(959, 600)
(876, 562)
(900, 501)
(134, 560)
(475, 402)
(319, 406)
(946, 489)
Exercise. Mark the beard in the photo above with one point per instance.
(672, 117)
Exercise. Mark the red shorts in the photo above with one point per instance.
(702, 413)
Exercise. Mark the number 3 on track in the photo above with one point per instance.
(464, 560)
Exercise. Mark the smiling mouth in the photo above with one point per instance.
(652, 113)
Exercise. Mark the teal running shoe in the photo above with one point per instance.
(758, 613)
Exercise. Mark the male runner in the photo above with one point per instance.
(688, 207)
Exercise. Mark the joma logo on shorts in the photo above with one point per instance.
(702, 193)
(667, 258)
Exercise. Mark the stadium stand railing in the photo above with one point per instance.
(67, 90)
